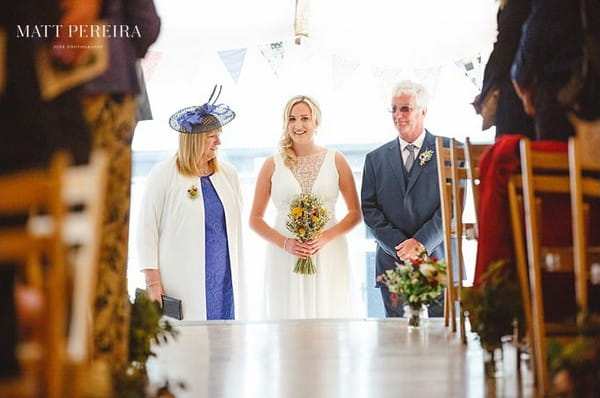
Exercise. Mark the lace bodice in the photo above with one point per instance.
(307, 169)
(316, 174)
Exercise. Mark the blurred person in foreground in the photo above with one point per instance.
(550, 56)
(510, 117)
(110, 110)
(33, 129)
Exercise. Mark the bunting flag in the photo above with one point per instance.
(274, 53)
(150, 62)
(143, 111)
(385, 79)
(472, 69)
(234, 61)
(430, 78)
(343, 69)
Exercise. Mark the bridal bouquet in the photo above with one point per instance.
(418, 282)
(306, 221)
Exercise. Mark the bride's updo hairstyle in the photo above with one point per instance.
(286, 145)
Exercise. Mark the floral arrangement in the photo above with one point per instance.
(425, 157)
(418, 282)
(306, 221)
(495, 305)
(146, 328)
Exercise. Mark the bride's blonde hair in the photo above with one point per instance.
(286, 145)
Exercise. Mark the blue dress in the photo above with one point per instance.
(219, 289)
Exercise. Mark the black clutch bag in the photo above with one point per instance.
(172, 307)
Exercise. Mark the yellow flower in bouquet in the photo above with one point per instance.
(306, 221)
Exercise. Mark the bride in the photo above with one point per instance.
(301, 166)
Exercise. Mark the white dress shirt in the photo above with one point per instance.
(418, 143)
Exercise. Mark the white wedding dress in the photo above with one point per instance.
(326, 293)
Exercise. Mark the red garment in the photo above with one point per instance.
(495, 242)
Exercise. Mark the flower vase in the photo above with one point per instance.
(417, 317)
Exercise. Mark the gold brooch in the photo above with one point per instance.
(193, 191)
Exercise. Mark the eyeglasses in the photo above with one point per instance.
(402, 108)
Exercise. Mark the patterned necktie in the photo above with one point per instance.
(411, 156)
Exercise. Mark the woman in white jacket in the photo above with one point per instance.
(189, 233)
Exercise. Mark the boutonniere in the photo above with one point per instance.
(193, 191)
(425, 157)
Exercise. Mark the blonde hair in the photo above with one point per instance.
(191, 148)
(286, 144)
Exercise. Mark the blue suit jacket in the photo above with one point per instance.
(397, 205)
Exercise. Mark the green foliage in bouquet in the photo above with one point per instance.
(146, 327)
(417, 282)
(495, 305)
(306, 220)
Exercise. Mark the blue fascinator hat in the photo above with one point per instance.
(200, 119)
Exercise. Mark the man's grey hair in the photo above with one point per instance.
(408, 87)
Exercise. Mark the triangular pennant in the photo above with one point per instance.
(233, 60)
(343, 69)
(274, 53)
(429, 77)
(385, 78)
(472, 69)
(150, 62)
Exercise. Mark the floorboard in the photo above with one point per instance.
(331, 358)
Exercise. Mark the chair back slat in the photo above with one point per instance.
(68, 233)
(473, 154)
(542, 173)
(584, 178)
(28, 193)
(443, 158)
(452, 175)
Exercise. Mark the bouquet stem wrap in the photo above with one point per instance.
(305, 266)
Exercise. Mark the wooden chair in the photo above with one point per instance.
(81, 196)
(543, 174)
(585, 192)
(42, 259)
(473, 153)
(451, 177)
(84, 192)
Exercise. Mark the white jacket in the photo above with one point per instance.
(170, 235)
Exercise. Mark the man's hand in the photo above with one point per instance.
(526, 96)
(409, 249)
(476, 104)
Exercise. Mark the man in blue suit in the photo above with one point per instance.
(400, 196)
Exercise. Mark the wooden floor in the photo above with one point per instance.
(330, 358)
